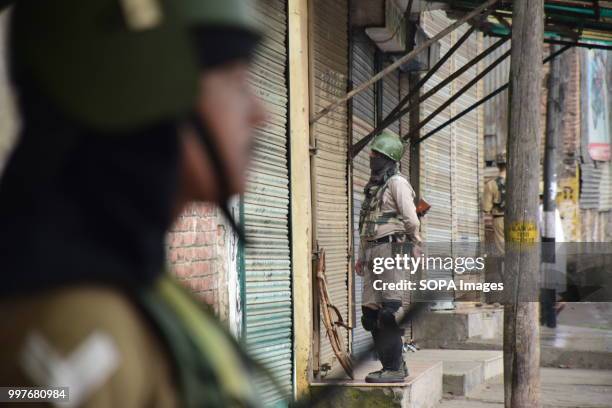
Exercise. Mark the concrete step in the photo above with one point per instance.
(442, 329)
(560, 388)
(565, 346)
(463, 370)
(576, 347)
(422, 389)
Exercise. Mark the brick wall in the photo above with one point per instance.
(194, 251)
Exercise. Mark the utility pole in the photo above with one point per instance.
(521, 323)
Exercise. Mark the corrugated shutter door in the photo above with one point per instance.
(466, 162)
(605, 187)
(404, 127)
(496, 109)
(268, 314)
(330, 71)
(391, 96)
(436, 156)
(363, 109)
(590, 179)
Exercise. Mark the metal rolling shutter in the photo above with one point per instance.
(466, 163)
(436, 157)
(391, 96)
(405, 125)
(590, 179)
(329, 36)
(605, 187)
(496, 109)
(363, 109)
(267, 267)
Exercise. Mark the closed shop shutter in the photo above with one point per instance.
(405, 125)
(391, 96)
(329, 58)
(466, 161)
(267, 269)
(436, 157)
(496, 109)
(605, 187)
(590, 179)
(363, 109)
(466, 164)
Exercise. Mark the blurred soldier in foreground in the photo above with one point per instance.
(388, 225)
(130, 110)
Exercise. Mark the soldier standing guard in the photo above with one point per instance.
(388, 223)
(494, 204)
(130, 111)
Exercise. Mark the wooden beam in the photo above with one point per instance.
(301, 241)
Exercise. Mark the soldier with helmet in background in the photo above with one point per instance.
(494, 201)
(494, 204)
(130, 110)
(388, 225)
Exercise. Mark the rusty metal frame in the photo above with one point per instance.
(454, 97)
(404, 59)
(413, 91)
(485, 99)
(357, 147)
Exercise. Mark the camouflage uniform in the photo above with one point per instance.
(391, 213)
(388, 226)
(494, 204)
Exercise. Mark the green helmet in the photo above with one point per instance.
(116, 64)
(388, 144)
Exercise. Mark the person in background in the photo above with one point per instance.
(388, 225)
(494, 205)
(553, 274)
(494, 201)
(130, 110)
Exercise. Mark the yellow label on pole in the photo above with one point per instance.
(523, 232)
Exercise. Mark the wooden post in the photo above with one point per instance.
(521, 272)
(301, 226)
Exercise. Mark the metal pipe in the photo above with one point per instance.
(483, 100)
(411, 93)
(457, 95)
(357, 147)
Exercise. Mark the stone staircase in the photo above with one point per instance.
(463, 370)
(450, 328)
(461, 354)
(422, 389)
(432, 374)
